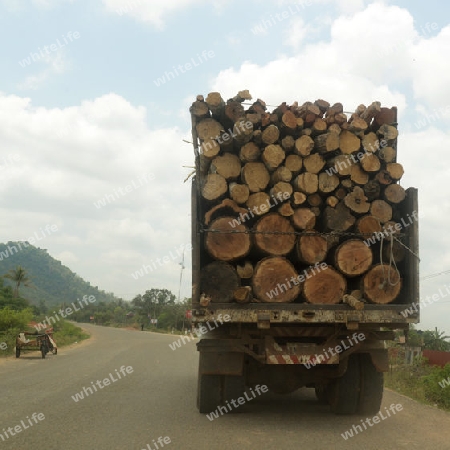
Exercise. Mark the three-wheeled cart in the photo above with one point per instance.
(42, 342)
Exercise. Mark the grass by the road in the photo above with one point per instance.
(421, 382)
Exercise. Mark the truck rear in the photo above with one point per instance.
(305, 291)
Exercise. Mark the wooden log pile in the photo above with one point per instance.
(287, 199)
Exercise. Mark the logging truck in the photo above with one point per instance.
(303, 237)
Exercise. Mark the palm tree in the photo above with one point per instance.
(19, 277)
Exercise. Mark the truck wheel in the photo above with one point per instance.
(233, 388)
(17, 352)
(209, 393)
(344, 391)
(372, 382)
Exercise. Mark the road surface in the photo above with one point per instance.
(153, 396)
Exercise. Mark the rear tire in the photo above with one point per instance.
(344, 392)
(209, 393)
(372, 383)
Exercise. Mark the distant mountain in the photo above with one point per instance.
(52, 281)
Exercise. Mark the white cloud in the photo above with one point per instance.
(56, 63)
(106, 145)
(153, 12)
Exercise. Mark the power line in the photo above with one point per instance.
(433, 275)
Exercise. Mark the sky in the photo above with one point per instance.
(93, 126)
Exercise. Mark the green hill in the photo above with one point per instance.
(53, 282)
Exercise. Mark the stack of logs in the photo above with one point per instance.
(287, 198)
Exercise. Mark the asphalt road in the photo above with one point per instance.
(156, 399)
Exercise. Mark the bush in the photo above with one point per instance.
(432, 385)
(66, 333)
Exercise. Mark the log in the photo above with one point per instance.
(234, 112)
(227, 165)
(282, 173)
(210, 148)
(242, 131)
(270, 135)
(371, 111)
(225, 244)
(298, 198)
(353, 302)
(381, 210)
(372, 190)
(358, 175)
(313, 163)
(357, 125)
(383, 178)
(340, 193)
(286, 210)
(348, 142)
(334, 128)
(356, 201)
(395, 170)
(271, 280)
(294, 163)
(243, 294)
(370, 163)
(208, 129)
(272, 156)
(303, 219)
(239, 192)
(328, 142)
(255, 176)
(322, 104)
(319, 126)
(394, 193)
(312, 249)
(249, 152)
(370, 142)
(338, 218)
(216, 104)
(387, 154)
(314, 200)
(353, 258)
(324, 287)
(337, 108)
(219, 280)
(347, 184)
(288, 143)
(307, 183)
(214, 187)
(289, 122)
(258, 203)
(393, 250)
(382, 284)
(281, 191)
(342, 165)
(385, 116)
(226, 204)
(304, 145)
(245, 270)
(388, 132)
(332, 201)
(273, 243)
(200, 109)
(368, 225)
(327, 183)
